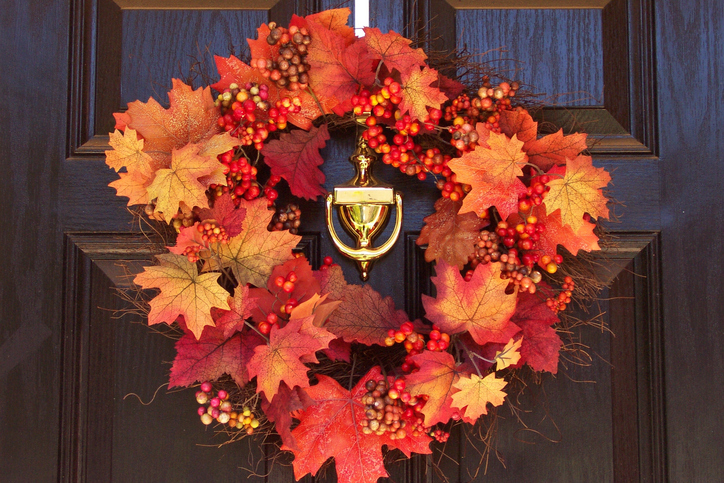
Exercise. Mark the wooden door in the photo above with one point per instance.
(643, 80)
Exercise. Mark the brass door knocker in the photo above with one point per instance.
(364, 206)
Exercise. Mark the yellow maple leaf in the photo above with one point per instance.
(181, 182)
(254, 252)
(417, 93)
(183, 292)
(134, 187)
(475, 393)
(510, 354)
(578, 192)
(128, 152)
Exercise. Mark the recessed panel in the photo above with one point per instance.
(556, 52)
(164, 44)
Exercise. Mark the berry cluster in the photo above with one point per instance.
(218, 407)
(327, 263)
(286, 218)
(534, 194)
(289, 69)
(415, 342)
(486, 108)
(559, 303)
(384, 408)
(247, 114)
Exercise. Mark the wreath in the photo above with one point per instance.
(333, 367)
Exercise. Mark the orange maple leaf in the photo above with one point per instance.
(578, 192)
(183, 292)
(253, 253)
(492, 170)
(436, 378)
(134, 187)
(476, 392)
(128, 152)
(417, 93)
(393, 50)
(479, 306)
(191, 118)
(546, 151)
(334, 19)
(279, 360)
(181, 182)
(448, 235)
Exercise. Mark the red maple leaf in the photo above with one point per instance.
(330, 428)
(493, 171)
(241, 305)
(479, 306)
(418, 92)
(212, 356)
(334, 19)
(279, 411)
(393, 50)
(280, 359)
(295, 157)
(364, 316)
(273, 298)
(332, 282)
(436, 377)
(226, 214)
(338, 67)
(541, 344)
(448, 235)
(547, 151)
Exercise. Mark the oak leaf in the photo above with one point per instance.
(578, 192)
(509, 355)
(393, 50)
(295, 157)
(330, 428)
(364, 316)
(546, 151)
(212, 356)
(191, 118)
(418, 94)
(253, 253)
(492, 171)
(448, 235)
(475, 393)
(479, 306)
(180, 183)
(183, 292)
(279, 360)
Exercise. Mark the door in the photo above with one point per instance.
(643, 80)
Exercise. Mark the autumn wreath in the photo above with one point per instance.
(276, 344)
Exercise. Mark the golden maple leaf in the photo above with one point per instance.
(128, 152)
(476, 392)
(510, 355)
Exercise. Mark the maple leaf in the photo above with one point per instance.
(338, 68)
(183, 292)
(476, 392)
(295, 157)
(556, 233)
(492, 171)
(212, 356)
(547, 151)
(510, 355)
(334, 19)
(241, 305)
(279, 360)
(393, 50)
(479, 306)
(226, 214)
(339, 350)
(330, 428)
(451, 88)
(448, 235)
(181, 182)
(578, 192)
(436, 378)
(364, 316)
(331, 281)
(273, 299)
(279, 411)
(320, 335)
(541, 344)
(128, 152)
(253, 253)
(191, 118)
(417, 93)
(133, 187)
(316, 305)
